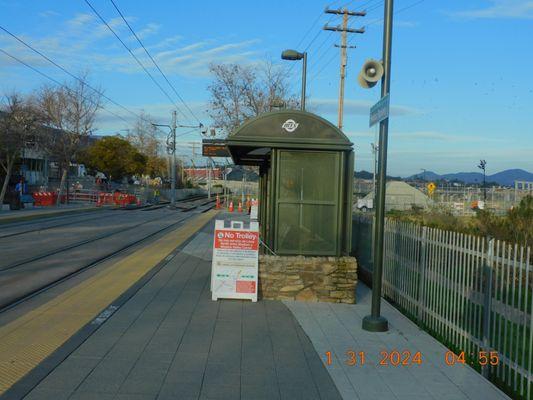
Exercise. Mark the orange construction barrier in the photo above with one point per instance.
(239, 209)
(230, 206)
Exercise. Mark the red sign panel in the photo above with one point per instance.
(232, 240)
(245, 287)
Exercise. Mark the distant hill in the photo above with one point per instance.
(368, 175)
(505, 178)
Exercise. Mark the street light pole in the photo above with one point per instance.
(304, 78)
(483, 166)
(293, 55)
(375, 322)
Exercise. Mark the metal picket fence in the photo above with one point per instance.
(473, 294)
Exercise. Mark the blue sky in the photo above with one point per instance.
(461, 83)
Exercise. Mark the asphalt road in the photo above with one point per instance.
(34, 255)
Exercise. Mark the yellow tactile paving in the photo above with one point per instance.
(28, 340)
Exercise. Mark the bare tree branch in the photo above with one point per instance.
(241, 92)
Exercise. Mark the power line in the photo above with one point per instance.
(320, 58)
(289, 72)
(134, 56)
(367, 25)
(344, 30)
(317, 59)
(154, 62)
(67, 72)
(59, 83)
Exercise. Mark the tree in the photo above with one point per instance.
(116, 157)
(144, 138)
(70, 110)
(240, 92)
(19, 126)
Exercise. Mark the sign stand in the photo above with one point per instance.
(234, 270)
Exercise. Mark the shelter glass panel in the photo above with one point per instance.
(319, 228)
(288, 227)
(309, 176)
(308, 202)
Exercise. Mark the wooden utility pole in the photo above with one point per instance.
(344, 31)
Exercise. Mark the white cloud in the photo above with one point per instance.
(405, 24)
(84, 40)
(520, 9)
(48, 13)
(356, 107)
(148, 30)
(80, 20)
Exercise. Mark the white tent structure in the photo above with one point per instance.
(402, 196)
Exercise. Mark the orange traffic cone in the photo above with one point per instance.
(230, 206)
(239, 209)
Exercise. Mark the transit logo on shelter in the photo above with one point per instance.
(290, 125)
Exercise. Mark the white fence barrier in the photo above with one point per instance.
(473, 294)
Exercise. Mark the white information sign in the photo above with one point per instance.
(254, 209)
(234, 269)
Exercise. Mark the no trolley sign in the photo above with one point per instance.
(235, 261)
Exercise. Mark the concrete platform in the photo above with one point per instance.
(336, 328)
(171, 341)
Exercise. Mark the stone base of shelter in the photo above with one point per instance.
(327, 279)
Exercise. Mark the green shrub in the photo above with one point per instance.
(514, 227)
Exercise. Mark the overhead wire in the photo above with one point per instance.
(60, 84)
(154, 62)
(369, 24)
(319, 59)
(291, 68)
(135, 57)
(101, 93)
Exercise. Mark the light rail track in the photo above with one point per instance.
(101, 214)
(11, 300)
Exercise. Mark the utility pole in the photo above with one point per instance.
(344, 31)
(171, 149)
(375, 322)
(173, 162)
(209, 178)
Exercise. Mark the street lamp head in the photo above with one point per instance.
(291, 55)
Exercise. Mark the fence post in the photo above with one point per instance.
(421, 305)
(488, 269)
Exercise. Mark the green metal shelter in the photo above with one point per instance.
(306, 174)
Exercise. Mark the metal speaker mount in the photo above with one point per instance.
(370, 74)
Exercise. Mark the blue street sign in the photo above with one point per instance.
(380, 111)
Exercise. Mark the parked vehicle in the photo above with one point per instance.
(365, 204)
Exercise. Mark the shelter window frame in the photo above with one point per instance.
(307, 202)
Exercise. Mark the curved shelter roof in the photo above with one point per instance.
(252, 141)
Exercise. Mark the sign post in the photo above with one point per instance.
(234, 270)
(380, 111)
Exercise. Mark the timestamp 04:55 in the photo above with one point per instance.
(405, 358)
